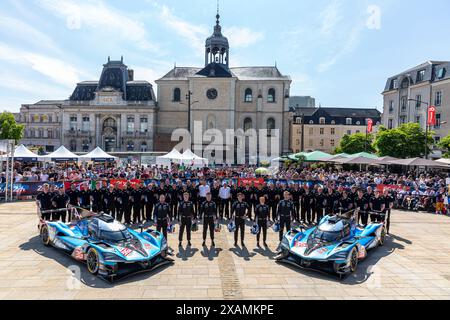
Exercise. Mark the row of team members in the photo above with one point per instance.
(187, 203)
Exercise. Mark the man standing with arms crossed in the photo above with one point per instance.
(285, 213)
(239, 212)
(186, 211)
(208, 210)
(162, 215)
(262, 216)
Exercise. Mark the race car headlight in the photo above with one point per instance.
(111, 257)
(285, 243)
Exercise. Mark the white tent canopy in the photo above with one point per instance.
(61, 155)
(192, 159)
(172, 156)
(23, 154)
(98, 155)
(444, 161)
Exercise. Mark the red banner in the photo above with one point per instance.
(122, 183)
(432, 116)
(369, 125)
(396, 187)
(250, 181)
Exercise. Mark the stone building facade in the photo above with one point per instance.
(222, 98)
(429, 85)
(321, 129)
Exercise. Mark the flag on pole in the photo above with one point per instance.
(369, 126)
(432, 116)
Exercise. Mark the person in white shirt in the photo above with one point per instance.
(225, 196)
(203, 190)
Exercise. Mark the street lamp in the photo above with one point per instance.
(426, 124)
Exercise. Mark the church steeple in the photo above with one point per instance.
(217, 47)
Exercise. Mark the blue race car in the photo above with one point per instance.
(335, 245)
(109, 249)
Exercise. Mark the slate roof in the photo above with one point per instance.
(338, 115)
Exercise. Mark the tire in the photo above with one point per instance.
(353, 260)
(93, 261)
(44, 234)
(382, 237)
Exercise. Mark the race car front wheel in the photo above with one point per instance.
(353, 260)
(93, 261)
(45, 236)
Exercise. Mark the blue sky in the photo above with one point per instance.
(339, 51)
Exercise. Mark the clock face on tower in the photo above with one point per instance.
(211, 94)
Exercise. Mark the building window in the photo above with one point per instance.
(144, 146)
(420, 75)
(73, 145)
(349, 132)
(333, 122)
(298, 120)
(438, 121)
(73, 122)
(322, 142)
(441, 73)
(322, 131)
(332, 142)
(438, 98)
(311, 131)
(405, 83)
(248, 125)
(270, 126)
(394, 84)
(85, 125)
(144, 125)
(211, 122)
(130, 125)
(402, 120)
(271, 95)
(322, 120)
(50, 118)
(85, 146)
(390, 124)
(177, 95)
(50, 133)
(333, 131)
(358, 123)
(248, 95)
(348, 121)
(391, 106)
(418, 101)
(404, 103)
(130, 146)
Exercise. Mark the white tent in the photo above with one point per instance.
(98, 155)
(60, 155)
(23, 154)
(444, 161)
(191, 159)
(173, 156)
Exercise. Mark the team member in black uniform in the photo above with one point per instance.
(272, 196)
(320, 203)
(162, 215)
(389, 204)
(285, 213)
(174, 193)
(96, 198)
(248, 198)
(296, 195)
(136, 202)
(377, 205)
(208, 210)
(44, 202)
(186, 210)
(128, 205)
(362, 205)
(109, 201)
(149, 200)
(60, 201)
(121, 203)
(345, 203)
(307, 203)
(85, 197)
(215, 194)
(262, 212)
(72, 193)
(239, 211)
(258, 192)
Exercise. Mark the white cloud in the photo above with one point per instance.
(57, 70)
(33, 87)
(192, 33)
(26, 33)
(243, 37)
(95, 14)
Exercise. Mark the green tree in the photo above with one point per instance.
(444, 144)
(356, 143)
(9, 129)
(406, 141)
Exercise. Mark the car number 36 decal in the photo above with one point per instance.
(125, 251)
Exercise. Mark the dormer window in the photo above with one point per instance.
(420, 75)
(394, 84)
(348, 121)
(322, 120)
(441, 73)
